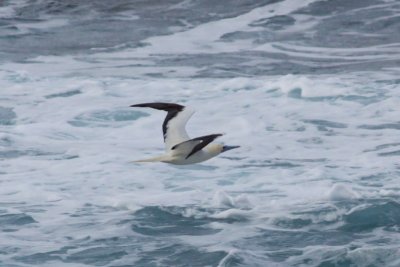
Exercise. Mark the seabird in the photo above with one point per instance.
(179, 148)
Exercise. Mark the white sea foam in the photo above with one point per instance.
(222, 199)
(8, 10)
(235, 214)
(74, 151)
(342, 192)
(99, 172)
(312, 148)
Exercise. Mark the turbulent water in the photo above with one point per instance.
(309, 89)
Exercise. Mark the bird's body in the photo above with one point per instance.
(179, 158)
(179, 148)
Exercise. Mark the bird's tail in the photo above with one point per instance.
(161, 158)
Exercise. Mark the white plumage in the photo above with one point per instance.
(179, 148)
(176, 132)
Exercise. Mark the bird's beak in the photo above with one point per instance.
(226, 148)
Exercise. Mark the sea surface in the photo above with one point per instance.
(309, 89)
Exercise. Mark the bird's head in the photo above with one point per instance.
(219, 148)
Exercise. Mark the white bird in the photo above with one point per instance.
(179, 148)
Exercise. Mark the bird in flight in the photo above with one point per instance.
(179, 148)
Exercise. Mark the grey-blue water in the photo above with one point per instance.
(308, 89)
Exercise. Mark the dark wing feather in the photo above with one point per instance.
(204, 141)
(171, 108)
(160, 106)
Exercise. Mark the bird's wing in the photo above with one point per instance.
(174, 124)
(191, 146)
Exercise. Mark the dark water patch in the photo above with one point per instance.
(265, 191)
(180, 256)
(108, 251)
(103, 118)
(281, 256)
(383, 146)
(295, 128)
(310, 160)
(43, 257)
(233, 158)
(283, 243)
(98, 256)
(67, 157)
(6, 141)
(311, 238)
(105, 251)
(373, 177)
(7, 116)
(386, 146)
(225, 182)
(236, 64)
(12, 204)
(90, 209)
(38, 258)
(389, 81)
(295, 93)
(385, 215)
(373, 258)
(271, 163)
(64, 94)
(157, 221)
(339, 261)
(376, 180)
(323, 125)
(311, 140)
(292, 223)
(384, 126)
(155, 75)
(9, 154)
(233, 65)
(15, 219)
(63, 136)
(237, 35)
(95, 25)
(364, 100)
(323, 8)
(383, 24)
(275, 22)
(390, 154)
(9, 265)
(7, 250)
(332, 166)
(98, 24)
(352, 17)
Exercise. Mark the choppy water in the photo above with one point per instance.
(309, 89)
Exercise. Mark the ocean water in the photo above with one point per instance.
(309, 89)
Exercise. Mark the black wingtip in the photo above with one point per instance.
(160, 106)
(217, 135)
(143, 105)
(226, 148)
